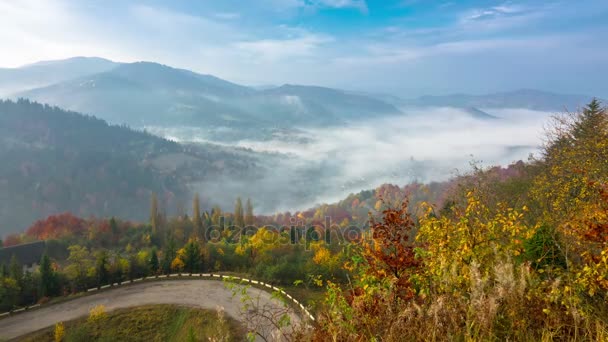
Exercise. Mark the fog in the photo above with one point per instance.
(316, 165)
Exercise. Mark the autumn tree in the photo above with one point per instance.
(79, 265)
(239, 219)
(249, 217)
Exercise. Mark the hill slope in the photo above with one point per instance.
(56, 161)
(523, 98)
(13, 80)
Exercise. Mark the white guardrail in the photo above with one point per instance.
(199, 275)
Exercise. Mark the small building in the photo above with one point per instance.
(28, 255)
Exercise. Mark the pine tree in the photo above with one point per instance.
(239, 220)
(591, 121)
(15, 270)
(249, 218)
(196, 217)
(216, 215)
(47, 277)
(169, 255)
(114, 228)
(101, 268)
(192, 257)
(154, 213)
(154, 261)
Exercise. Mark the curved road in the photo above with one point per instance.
(206, 294)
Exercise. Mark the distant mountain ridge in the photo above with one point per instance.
(150, 94)
(45, 73)
(146, 93)
(523, 98)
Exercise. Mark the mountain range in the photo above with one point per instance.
(150, 94)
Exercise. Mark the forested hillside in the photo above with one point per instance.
(56, 161)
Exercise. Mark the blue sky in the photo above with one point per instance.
(405, 47)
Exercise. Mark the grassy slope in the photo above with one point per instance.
(147, 323)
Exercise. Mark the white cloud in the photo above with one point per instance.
(358, 4)
(272, 50)
(227, 15)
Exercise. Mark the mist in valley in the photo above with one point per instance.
(307, 166)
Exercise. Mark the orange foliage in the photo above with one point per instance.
(57, 226)
(391, 253)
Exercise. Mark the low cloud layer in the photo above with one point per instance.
(325, 164)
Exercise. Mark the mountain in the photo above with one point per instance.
(13, 80)
(333, 104)
(145, 93)
(148, 94)
(55, 161)
(524, 98)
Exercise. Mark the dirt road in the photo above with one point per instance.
(207, 294)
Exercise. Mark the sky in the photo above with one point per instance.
(403, 47)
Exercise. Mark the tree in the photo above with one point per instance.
(79, 264)
(391, 253)
(47, 277)
(196, 217)
(15, 269)
(249, 218)
(114, 228)
(154, 214)
(153, 263)
(101, 268)
(191, 256)
(239, 220)
(169, 255)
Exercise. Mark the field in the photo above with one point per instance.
(148, 323)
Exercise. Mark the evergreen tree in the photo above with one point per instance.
(154, 261)
(114, 228)
(591, 121)
(192, 257)
(134, 269)
(101, 268)
(47, 277)
(15, 270)
(216, 214)
(196, 217)
(249, 218)
(154, 214)
(239, 220)
(169, 255)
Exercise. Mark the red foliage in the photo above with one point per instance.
(56, 226)
(392, 254)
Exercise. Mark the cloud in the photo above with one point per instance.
(272, 50)
(357, 4)
(227, 15)
(424, 144)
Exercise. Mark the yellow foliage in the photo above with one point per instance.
(97, 313)
(59, 332)
(322, 256)
(177, 264)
